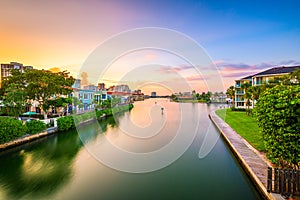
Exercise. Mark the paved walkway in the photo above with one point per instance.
(253, 163)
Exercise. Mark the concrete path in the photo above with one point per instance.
(254, 164)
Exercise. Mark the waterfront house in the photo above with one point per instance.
(274, 74)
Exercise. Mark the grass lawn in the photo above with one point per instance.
(244, 125)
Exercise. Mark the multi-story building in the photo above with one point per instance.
(260, 78)
(272, 74)
(6, 69)
(239, 101)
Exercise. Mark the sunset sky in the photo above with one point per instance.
(240, 37)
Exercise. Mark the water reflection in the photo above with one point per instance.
(41, 168)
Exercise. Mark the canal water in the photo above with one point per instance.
(69, 165)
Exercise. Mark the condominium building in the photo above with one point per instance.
(6, 69)
(258, 79)
(239, 100)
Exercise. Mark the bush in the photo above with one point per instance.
(237, 109)
(68, 122)
(65, 123)
(35, 126)
(11, 129)
(278, 114)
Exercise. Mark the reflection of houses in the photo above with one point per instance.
(273, 74)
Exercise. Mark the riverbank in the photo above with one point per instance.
(29, 138)
(244, 125)
(254, 165)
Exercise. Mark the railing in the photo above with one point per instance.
(283, 181)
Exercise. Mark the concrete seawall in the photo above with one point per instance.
(27, 139)
(49, 131)
(254, 165)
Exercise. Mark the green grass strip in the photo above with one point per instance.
(244, 125)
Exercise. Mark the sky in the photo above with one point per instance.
(239, 37)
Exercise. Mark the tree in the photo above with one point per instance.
(247, 95)
(255, 92)
(278, 114)
(40, 85)
(292, 78)
(15, 95)
(76, 102)
(231, 92)
(58, 103)
(14, 100)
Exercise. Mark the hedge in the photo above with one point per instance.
(10, 129)
(35, 126)
(65, 123)
(68, 122)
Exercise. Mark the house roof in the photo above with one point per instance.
(278, 70)
(247, 77)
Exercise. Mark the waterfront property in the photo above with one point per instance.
(244, 125)
(64, 166)
(273, 74)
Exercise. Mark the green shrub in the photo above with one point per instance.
(65, 123)
(35, 126)
(278, 114)
(68, 122)
(108, 111)
(99, 113)
(11, 129)
(237, 109)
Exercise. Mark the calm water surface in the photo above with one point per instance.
(61, 167)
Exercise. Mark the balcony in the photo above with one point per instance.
(239, 99)
(239, 92)
(258, 82)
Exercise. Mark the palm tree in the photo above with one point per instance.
(247, 95)
(255, 92)
(231, 92)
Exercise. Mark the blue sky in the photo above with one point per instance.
(238, 31)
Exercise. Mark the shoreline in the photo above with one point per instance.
(254, 164)
(27, 139)
(50, 131)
